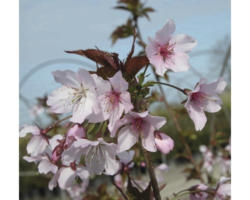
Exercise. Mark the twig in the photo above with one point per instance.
(170, 85)
(119, 189)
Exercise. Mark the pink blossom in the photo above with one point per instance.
(135, 125)
(163, 142)
(199, 195)
(204, 97)
(100, 156)
(168, 52)
(77, 95)
(76, 131)
(114, 97)
(38, 142)
(65, 176)
(47, 160)
(223, 189)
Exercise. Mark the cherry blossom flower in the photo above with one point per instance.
(114, 97)
(223, 189)
(78, 94)
(199, 195)
(204, 97)
(99, 155)
(38, 143)
(163, 142)
(135, 125)
(168, 52)
(48, 159)
(65, 176)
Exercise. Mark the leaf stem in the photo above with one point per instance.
(170, 85)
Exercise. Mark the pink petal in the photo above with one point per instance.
(45, 166)
(147, 137)
(37, 145)
(156, 121)
(67, 78)
(183, 43)
(164, 143)
(163, 36)
(34, 130)
(126, 139)
(118, 83)
(126, 101)
(216, 87)
(60, 100)
(197, 115)
(180, 62)
(66, 177)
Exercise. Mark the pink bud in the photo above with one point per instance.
(56, 154)
(143, 164)
(163, 142)
(76, 131)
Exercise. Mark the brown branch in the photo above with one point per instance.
(151, 171)
(119, 189)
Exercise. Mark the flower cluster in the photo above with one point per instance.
(112, 100)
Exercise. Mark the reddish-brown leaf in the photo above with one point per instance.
(134, 65)
(101, 57)
(104, 72)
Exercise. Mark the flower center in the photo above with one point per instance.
(114, 98)
(197, 97)
(166, 51)
(79, 94)
(138, 123)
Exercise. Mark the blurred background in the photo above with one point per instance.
(47, 28)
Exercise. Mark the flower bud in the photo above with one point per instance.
(163, 142)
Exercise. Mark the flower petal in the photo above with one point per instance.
(34, 130)
(163, 36)
(126, 139)
(45, 166)
(66, 178)
(156, 121)
(183, 43)
(164, 143)
(60, 100)
(67, 78)
(197, 115)
(147, 137)
(118, 82)
(37, 145)
(126, 101)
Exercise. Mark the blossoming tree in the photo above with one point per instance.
(107, 121)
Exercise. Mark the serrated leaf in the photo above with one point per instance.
(101, 57)
(135, 64)
(104, 72)
(123, 31)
